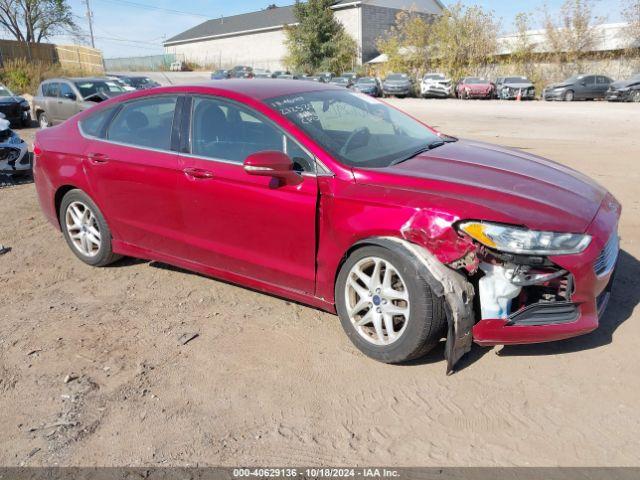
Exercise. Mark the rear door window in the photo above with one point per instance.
(145, 123)
(65, 91)
(95, 125)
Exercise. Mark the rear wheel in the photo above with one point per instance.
(386, 308)
(86, 230)
(636, 96)
(569, 96)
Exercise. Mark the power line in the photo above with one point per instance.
(153, 7)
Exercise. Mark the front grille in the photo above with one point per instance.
(608, 257)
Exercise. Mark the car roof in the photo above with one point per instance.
(257, 88)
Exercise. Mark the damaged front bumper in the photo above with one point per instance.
(569, 305)
(14, 154)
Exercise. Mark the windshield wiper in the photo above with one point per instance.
(431, 146)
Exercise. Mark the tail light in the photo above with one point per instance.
(37, 151)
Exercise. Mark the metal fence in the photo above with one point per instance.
(148, 63)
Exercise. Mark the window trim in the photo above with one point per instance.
(321, 169)
(119, 108)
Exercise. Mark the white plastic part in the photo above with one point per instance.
(496, 291)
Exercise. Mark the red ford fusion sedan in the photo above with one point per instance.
(336, 200)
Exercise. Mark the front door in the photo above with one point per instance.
(67, 103)
(249, 225)
(134, 175)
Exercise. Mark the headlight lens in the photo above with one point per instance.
(518, 240)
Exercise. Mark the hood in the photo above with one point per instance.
(625, 83)
(489, 182)
(397, 82)
(559, 85)
(478, 86)
(522, 85)
(11, 100)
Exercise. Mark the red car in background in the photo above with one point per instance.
(336, 200)
(474, 87)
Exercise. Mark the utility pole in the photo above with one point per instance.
(90, 18)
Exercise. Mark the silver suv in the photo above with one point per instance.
(60, 98)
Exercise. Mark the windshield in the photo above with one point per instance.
(367, 81)
(572, 79)
(397, 76)
(357, 130)
(516, 80)
(5, 92)
(90, 87)
(434, 77)
(340, 80)
(479, 81)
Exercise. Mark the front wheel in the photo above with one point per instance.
(569, 96)
(43, 120)
(386, 308)
(85, 229)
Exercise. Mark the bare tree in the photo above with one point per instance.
(406, 44)
(33, 21)
(631, 14)
(572, 34)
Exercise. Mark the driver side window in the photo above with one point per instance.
(227, 131)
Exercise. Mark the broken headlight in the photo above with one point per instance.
(519, 240)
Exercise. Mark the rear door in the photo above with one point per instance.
(249, 225)
(602, 85)
(50, 93)
(134, 174)
(589, 88)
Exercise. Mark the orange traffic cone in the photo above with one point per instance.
(519, 96)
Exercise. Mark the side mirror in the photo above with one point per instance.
(272, 164)
(69, 96)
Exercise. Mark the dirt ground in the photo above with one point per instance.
(93, 371)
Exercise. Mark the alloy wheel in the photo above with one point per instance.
(43, 121)
(636, 96)
(83, 229)
(377, 301)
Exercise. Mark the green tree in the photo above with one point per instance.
(318, 41)
(33, 21)
(406, 45)
(464, 40)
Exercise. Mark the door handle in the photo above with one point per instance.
(198, 173)
(98, 158)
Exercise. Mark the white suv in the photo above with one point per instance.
(435, 85)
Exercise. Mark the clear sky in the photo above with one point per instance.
(138, 27)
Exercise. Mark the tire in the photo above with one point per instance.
(415, 333)
(43, 120)
(25, 121)
(569, 96)
(96, 255)
(635, 97)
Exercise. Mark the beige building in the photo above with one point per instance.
(257, 38)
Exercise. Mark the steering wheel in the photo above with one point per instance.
(358, 131)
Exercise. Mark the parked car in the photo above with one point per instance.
(278, 73)
(58, 99)
(353, 76)
(14, 108)
(241, 72)
(220, 75)
(368, 85)
(344, 82)
(388, 222)
(474, 87)
(14, 154)
(137, 82)
(326, 77)
(261, 73)
(625, 90)
(397, 84)
(578, 87)
(179, 66)
(510, 88)
(435, 85)
(118, 81)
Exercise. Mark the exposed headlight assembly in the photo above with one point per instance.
(509, 239)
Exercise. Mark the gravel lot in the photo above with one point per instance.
(92, 371)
